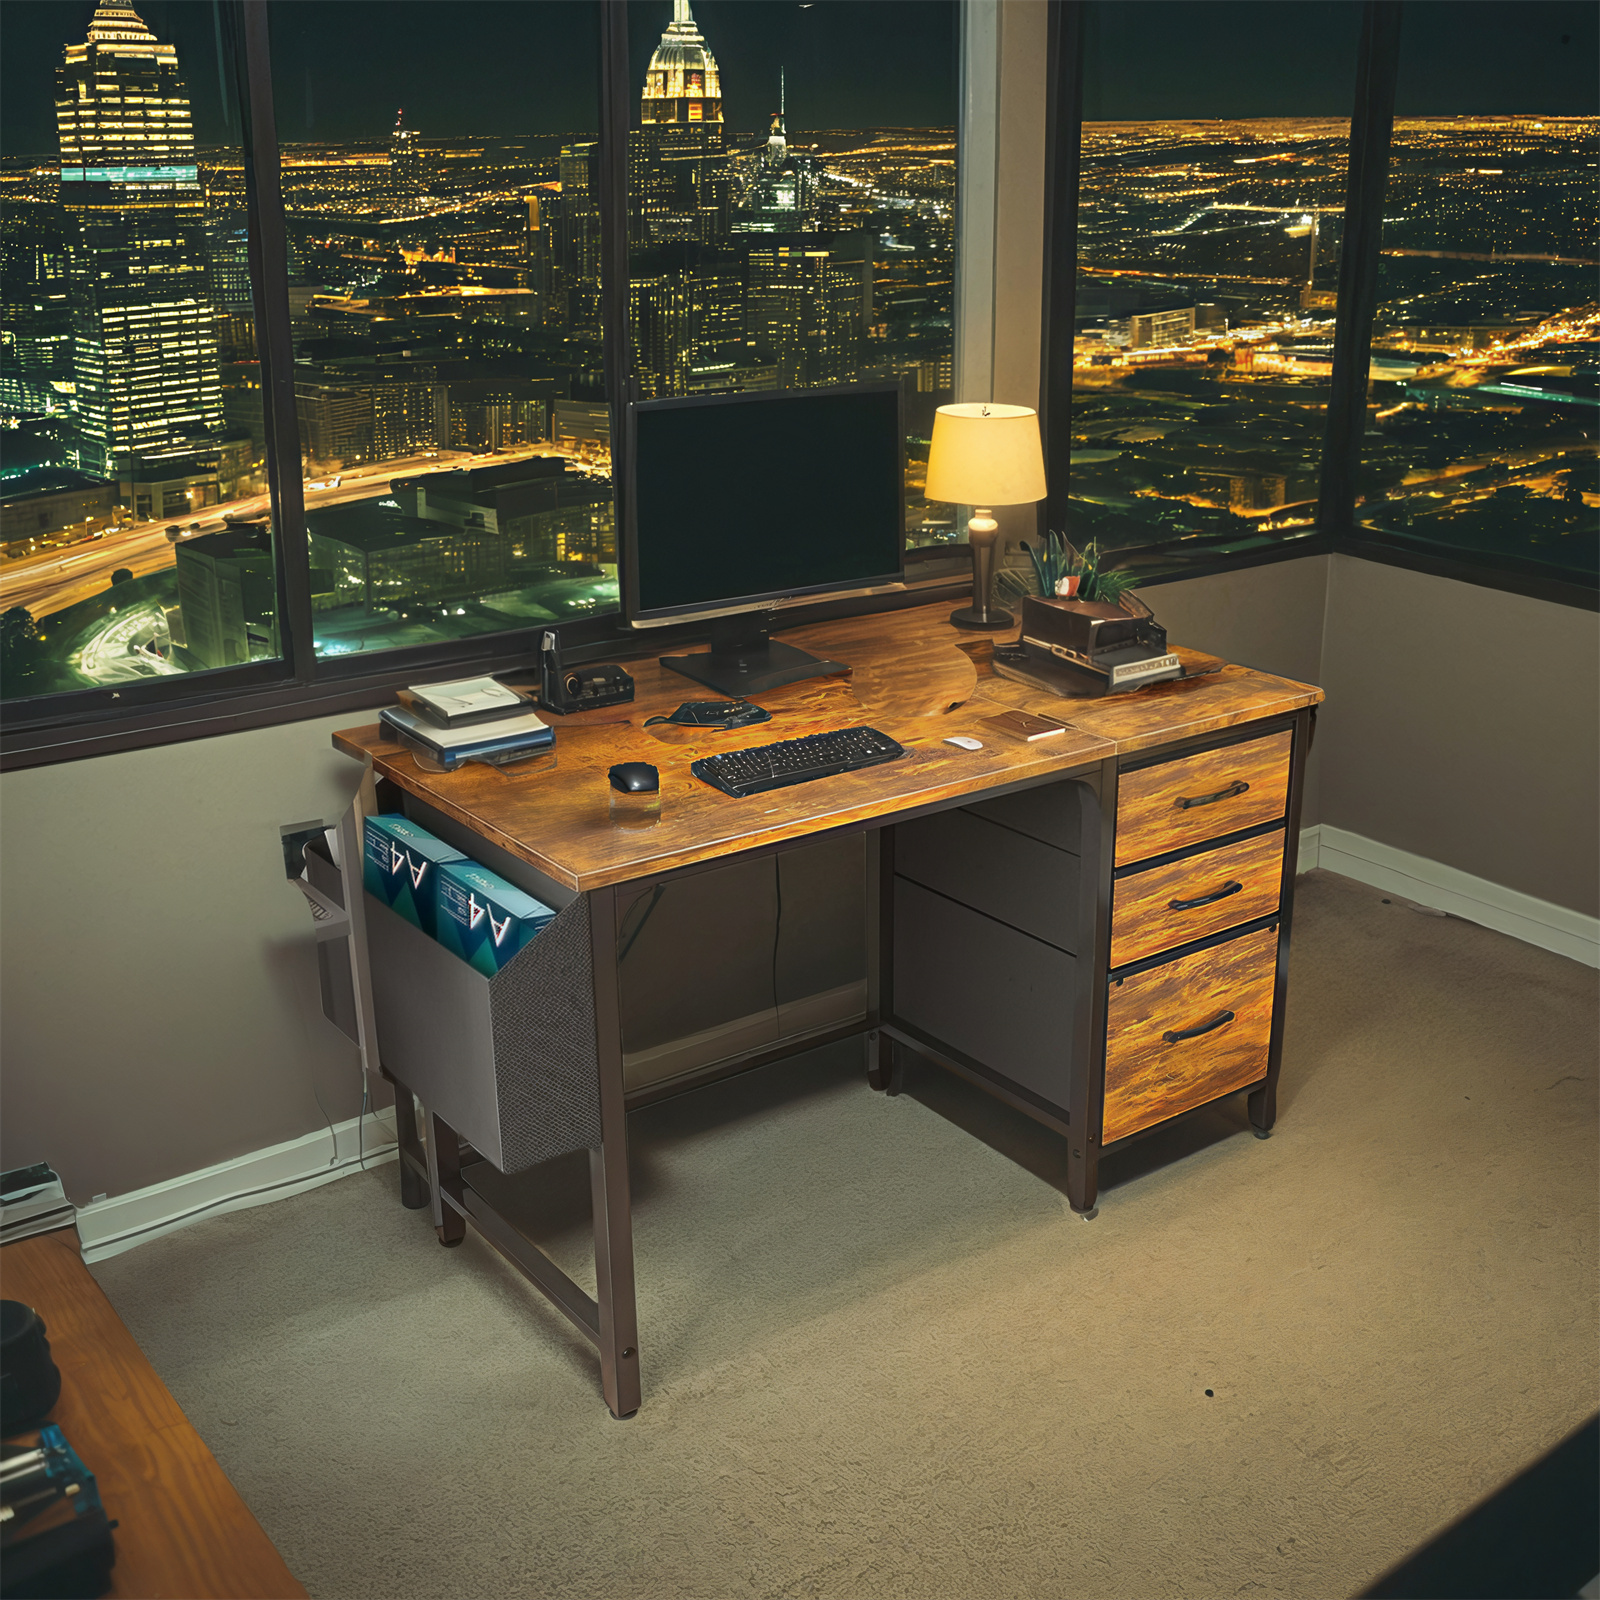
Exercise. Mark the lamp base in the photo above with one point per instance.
(993, 620)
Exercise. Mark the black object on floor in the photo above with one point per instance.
(67, 1562)
(30, 1384)
(1537, 1538)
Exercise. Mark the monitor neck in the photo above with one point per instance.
(744, 659)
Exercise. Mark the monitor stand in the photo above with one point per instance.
(743, 661)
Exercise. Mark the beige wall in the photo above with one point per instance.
(1266, 617)
(1463, 724)
(159, 1004)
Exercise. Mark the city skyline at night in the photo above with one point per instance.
(446, 305)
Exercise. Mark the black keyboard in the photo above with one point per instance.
(776, 766)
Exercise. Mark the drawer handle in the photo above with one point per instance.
(1238, 786)
(1205, 1027)
(1205, 899)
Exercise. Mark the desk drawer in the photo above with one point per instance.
(1198, 797)
(1166, 1049)
(1193, 898)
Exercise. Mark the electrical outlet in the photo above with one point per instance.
(296, 836)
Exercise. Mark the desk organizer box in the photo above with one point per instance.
(509, 1061)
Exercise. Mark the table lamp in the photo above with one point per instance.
(984, 455)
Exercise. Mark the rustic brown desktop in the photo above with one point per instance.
(1093, 927)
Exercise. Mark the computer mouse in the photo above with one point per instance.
(966, 744)
(635, 777)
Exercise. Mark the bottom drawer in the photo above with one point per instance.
(1185, 1032)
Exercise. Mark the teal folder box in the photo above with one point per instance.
(400, 865)
(483, 919)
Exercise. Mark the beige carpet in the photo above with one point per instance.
(882, 1358)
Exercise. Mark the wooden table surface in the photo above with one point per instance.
(914, 677)
(182, 1530)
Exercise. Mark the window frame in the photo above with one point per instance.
(1337, 530)
(297, 686)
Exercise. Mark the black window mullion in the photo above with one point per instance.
(614, 126)
(269, 283)
(1371, 128)
(1063, 146)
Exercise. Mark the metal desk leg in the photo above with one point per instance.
(880, 954)
(444, 1180)
(1096, 851)
(413, 1191)
(1263, 1102)
(608, 1174)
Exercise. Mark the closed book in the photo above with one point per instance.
(1027, 725)
(502, 739)
(464, 701)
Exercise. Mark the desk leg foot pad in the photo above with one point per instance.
(1087, 1216)
(623, 1416)
(449, 1243)
(1261, 1133)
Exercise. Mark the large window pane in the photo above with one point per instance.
(791, 204)
(441, 191)
(136, 539)
(1484, 400)
(1210, 210)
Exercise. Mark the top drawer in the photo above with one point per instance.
(1182, 802)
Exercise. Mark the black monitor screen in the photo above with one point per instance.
(747, 497)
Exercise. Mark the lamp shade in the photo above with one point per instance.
(985, 454)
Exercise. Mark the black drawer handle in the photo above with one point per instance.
(1205, 1027)
(1205, 899)
(1238, 786)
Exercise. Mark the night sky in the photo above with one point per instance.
(1149, 59)
(459, 67)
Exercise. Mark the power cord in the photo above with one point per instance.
(625, 941)
(332, 1134)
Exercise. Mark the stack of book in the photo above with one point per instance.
(472, 719)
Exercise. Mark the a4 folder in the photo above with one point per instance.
(473, 912)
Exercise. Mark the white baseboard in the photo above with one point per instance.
(108, 1227)
(1431, 883)
(112, 1226)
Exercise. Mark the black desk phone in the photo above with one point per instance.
(566, 689)
(715, 714)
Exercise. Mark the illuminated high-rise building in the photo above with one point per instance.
(778, 137)
(677, 184)
(405, 159)
(781, 196)
(578, 249)
(147, 388)
(682, 84)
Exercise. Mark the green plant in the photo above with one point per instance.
(1056, 559)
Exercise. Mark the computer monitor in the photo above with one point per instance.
(741, 503)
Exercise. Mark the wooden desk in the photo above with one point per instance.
(182, 1530)
(1012, 874)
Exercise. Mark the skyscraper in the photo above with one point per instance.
(405, 160)
(677, 183)
(781, 195)
(148, 391)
